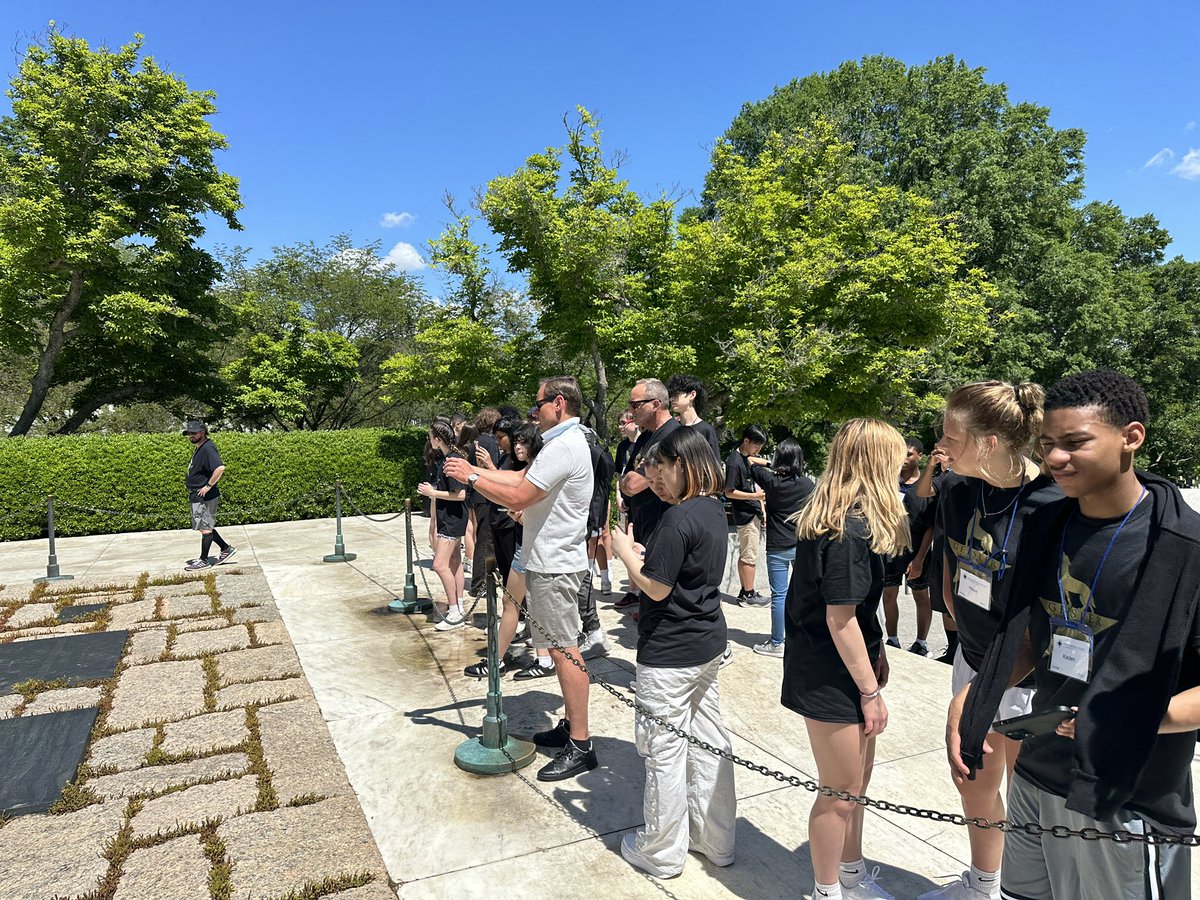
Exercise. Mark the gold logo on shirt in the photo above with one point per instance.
(979, 546)
(1078, 596)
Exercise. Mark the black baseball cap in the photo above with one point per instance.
(195, 426)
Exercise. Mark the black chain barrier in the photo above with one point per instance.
(1119, 836)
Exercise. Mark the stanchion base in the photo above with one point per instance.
(53, 578)
(339, 557)
(472, 756)
(419, 604)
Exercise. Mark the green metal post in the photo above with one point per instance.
(52, 570)
(494, 752)
(339, 553)
(410, 602)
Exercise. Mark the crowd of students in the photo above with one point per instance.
(1068, 583)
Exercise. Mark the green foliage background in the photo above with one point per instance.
(269, 478)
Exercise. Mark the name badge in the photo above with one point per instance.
(975, 587)
(1071, 657)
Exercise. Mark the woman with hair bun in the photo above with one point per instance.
(988, 433)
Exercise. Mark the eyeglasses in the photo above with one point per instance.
(540, 403)
(638, 404)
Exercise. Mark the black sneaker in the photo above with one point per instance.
(569, 762)
(197, 565)
(534, 670)
(894, 642)
(225, 554)
(556, 736)
(630, 599)
(947, 658)
(480, 669)
(919, 649)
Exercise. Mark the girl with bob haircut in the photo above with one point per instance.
(834, 665)
(988, 432)
(451, 518)
(689, 800)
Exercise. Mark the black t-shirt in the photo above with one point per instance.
(645, 508)
(451, 514)
(686, 552)
(737, 478)
(602, 479)
(816, 682)
(975, 518)
(784, 497)
(205, 461)
(710, 435)
(915, 507)
(930, 520)
(487, 442)
(623, 456)
(1164, 792)
(501, 521)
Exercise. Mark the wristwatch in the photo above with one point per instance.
(472, 478)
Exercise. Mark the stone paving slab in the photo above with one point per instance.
(224, 799)
(190, 605)
(147, 646)
(259, 692)
(62, 700)
(9, 704)
(123, 751)
(177, 868)
(28, 614)
(205, 733)
(256, 664)
(128, 614)
(299, 751)
(152, 779)
(47, 856)
(201, 643)
(158, 691)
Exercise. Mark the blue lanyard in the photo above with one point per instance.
(1062, 546)
(1002, 555)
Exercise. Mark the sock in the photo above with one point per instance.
(205, 545)
(986, 882)
(545, 662)
(219, 541)
(921, 643)
(604, 579)
(851, 873)
(454, 611)
(582, 746)
(952, 645)
(894, 637)
(827, 891)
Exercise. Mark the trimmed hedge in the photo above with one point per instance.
(134, 482)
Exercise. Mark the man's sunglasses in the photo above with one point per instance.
(638, 404)
(540, 403)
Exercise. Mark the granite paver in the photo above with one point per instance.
(30, 613)
(46, 856)
(200, 643)
(64, 699)
(176, 869)
(257, 663)
(299, 751)
(262, 613)
(123, 751)
(147, 646)
(150, 779)
(205, 733)
(128, 614)
(191, 605)
(9, 704)
(262, 692)
(224, 799)
(157, 691)
(272, 633)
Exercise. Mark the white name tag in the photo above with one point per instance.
(975, 587)
(1070, 657)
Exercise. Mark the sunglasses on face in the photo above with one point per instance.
(638, 404)
(540, 403)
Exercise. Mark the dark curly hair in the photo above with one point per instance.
(685, 384)
(1118, 397)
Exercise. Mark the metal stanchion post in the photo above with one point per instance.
(494, 752)
(52, 571)
(339, 553)
(410, 602)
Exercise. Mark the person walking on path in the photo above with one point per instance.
(835, 665)
(786, 487)
(554, 493)
(689, 800)
(204, 471)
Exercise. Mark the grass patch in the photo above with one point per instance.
(139, 587)
(314, 890)
(31, 687)
(254, 642)
(39, 591)
(267, 798)
(220, 885)
(166, 580)
(212, 682)
(306, 799)
(75, 796)
(160, 608)
(210, 588)
(172, 633)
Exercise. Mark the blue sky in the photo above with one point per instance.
(340, 113)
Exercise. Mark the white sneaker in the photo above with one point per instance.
(963, 889)
(867, 889)
(770, 648)
(451, 622)
(726, 656)
(594, 644)
(605, 587)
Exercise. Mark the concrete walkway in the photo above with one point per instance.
(392, 693)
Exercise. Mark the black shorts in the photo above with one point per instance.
(914, 584)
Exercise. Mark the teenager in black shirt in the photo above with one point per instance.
(746, 508)
(451, 515)
(689, 798)
(1109, 578)
(897, 568)
(835, 665)
(786, 488)
(688, 396)
(988, 430)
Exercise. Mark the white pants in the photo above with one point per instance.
(689, 800)
(1017, 701)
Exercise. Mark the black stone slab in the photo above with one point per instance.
(76, 657)
(71, 613)
(41, 756)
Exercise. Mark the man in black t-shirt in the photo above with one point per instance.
(688, 396)
(749, 517)
(1104, 613)
(897, 566)
(204, 471)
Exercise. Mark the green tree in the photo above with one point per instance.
(106, 170)
(812, 298)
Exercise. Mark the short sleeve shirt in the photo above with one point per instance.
(737, 478)
(710, 435)
(555, 537)
(829, 572)
(687, 553)
(451, 514)
(785, 496)
(645, 507)
(205, 460)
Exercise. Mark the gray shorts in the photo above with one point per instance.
(1050, 867)
(554, 605)
(204, 514)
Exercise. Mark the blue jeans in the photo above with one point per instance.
(778, 564)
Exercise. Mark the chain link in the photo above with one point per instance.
(1034, 829)
(354, 506)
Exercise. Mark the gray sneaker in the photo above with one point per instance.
(770, 648)
(593, 644)
(754, 598)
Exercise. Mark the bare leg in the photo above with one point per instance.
(891, 610)
(981, 797)
(924, 613)
(841, 754)
(574, 684)
(443, 551)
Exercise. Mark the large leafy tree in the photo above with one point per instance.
(809, 297)
(107, 166)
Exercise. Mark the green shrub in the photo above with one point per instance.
(134, 482)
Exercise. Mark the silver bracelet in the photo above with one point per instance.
(871, 696)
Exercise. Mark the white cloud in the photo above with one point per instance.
(1189, 166)
(1190, 126)
(1165, 155)
(396, 220)
(405, 258)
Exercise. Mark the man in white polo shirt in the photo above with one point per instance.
(555, 494)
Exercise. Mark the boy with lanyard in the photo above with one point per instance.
(1104, 614)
